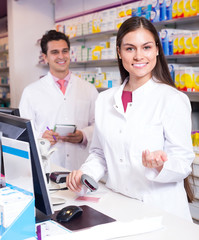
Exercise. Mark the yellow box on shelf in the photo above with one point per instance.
(196, 79)
(195, 41)
(187, 8)
(96, 52)
(194, 5)
(188, 42)
(99, 78)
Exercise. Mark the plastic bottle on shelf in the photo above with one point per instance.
(99, 78)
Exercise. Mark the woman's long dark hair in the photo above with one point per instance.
(161, 70)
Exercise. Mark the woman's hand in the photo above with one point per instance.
(73, 181)
(154, 159)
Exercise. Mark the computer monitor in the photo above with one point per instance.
(18, 128)
(12, 111)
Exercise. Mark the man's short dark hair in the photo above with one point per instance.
(52, 35)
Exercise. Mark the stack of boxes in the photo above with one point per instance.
(17, 218)
(186, 78)
(173, 41)
(4, 56)
(194, 178)
(100, 79)
(4, 63)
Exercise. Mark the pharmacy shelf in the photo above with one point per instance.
(3, 52)
(101, 89)
(95, 63)
(6, 69)
(4, 85)
(169, 23)
(177, 21)
(193, 96)
(186, 58)
(5, 101)
(183, 58)
(3, 35)
(91, 36)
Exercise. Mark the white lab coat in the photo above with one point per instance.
(44, 103)
(159, 118)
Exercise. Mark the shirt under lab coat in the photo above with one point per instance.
(44, 103)
(159, 118)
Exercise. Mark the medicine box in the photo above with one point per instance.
(17, 214)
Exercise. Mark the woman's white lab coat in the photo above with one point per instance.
(44, 103)
(159, 118)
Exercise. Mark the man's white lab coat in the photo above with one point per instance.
(159, 118)
(44, 103)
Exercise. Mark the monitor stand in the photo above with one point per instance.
(41, 217)
(53, 188)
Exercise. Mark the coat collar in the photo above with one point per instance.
(137, 95)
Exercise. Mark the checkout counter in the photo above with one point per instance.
(126, 210)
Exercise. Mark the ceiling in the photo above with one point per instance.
(3, 8)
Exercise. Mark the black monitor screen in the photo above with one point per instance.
(12, 111)
(21, 129)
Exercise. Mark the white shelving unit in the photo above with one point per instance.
(4, 74)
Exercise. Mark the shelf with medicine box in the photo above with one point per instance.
(5, 85)
(91, 36)
(176, 22)
(168, 23)
(86, 37)
(95, 63)
(4, 71)
(193, 96)
(98, 49)
(183, 58)
(191, 58)
(4, 102)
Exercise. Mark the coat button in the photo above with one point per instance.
(67, 155)
(121, 160)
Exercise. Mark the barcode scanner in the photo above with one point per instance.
(89, 182)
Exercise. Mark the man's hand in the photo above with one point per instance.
(52, 136)
(75, 137)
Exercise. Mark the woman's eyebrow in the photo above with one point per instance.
(130, 44)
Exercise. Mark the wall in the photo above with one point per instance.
(79, 7)
(28, 20)
(64, 8)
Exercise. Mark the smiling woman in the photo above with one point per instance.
(150, 36)
(138, 52)
(142, 136)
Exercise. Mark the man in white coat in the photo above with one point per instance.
(60, 97)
